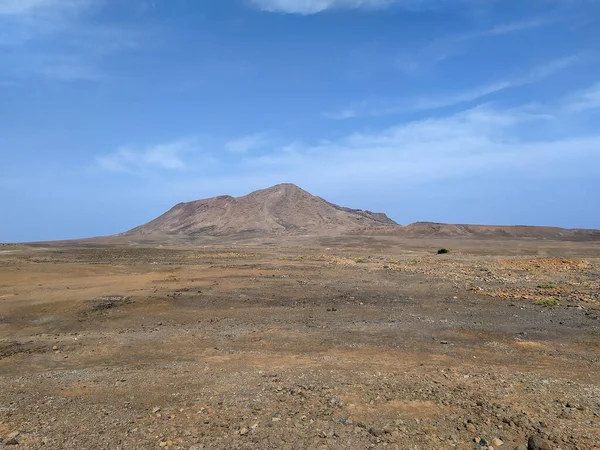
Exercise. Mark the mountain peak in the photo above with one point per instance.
(282, 187)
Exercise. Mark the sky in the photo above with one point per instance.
(459, 111)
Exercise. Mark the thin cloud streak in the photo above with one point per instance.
(370, 109)
(307, 7)
(448, 46)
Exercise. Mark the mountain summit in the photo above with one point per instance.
(281, 209)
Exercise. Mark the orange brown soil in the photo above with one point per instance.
(339, 343)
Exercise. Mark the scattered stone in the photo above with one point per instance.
(521, 447)
(444, 342)
(155, 410)
(13, 435)
(470, 428)
(162, 444)
(537, 442)
(12, 441)
(55, 348)
(496, 442)
(244, 431)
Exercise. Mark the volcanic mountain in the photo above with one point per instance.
(281, 209)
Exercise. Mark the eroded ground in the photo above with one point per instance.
(344, 344)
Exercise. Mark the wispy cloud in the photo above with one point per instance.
(58, 39)
(584, 100)
(169, 156)
(445, 47)
(379, 108)
(474, 141)
(542, 141)
(507, 28)
(248, 143)
(316, 6)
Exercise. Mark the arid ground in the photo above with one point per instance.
(337, 343)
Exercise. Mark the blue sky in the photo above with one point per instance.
(461, 111)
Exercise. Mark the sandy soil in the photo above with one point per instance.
(340, 343)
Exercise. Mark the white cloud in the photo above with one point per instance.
(375, 108)
(163, 156)
(473, 142)
(316, 6)
(541, 142)
(248, 143)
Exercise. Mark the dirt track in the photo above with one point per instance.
(344, 343)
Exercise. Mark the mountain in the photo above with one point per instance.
(281, 209)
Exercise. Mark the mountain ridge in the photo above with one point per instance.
(281, 209)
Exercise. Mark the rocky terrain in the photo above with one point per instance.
(333, 343)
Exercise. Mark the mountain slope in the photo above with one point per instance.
(280, 209)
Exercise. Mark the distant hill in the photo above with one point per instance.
(281, 209)
(441, 230)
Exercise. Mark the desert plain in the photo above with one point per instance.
(344, 342)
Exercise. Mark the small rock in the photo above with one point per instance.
(444, 342)
(470, 428)
(376, 431)
(537, 442)
(55, 348)
(496, 442)
(244, 431)
(521, 447)
(162, 444)
(13, 435)
(155, 410)
(12, 441)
